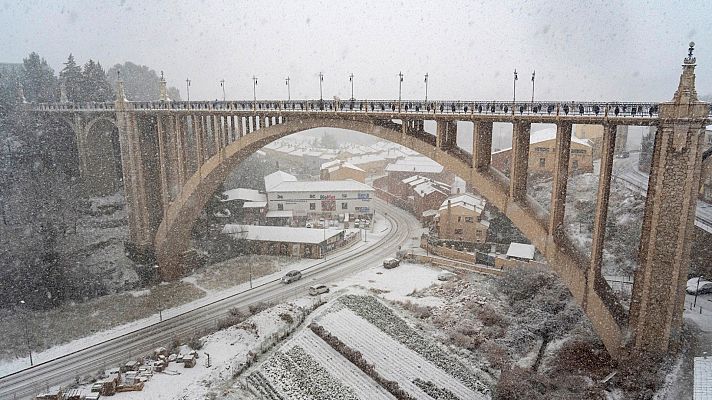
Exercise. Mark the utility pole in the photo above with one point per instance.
(27, 330)
(533, 74)
(222, 85)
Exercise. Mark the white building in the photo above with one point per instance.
(287, 197)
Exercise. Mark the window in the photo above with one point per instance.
(458, 231)
(469, 219)
(279, 196)
(280, 207)
(312, 196)
(542, 162)
(344, 195)
(574, 164)
(578, 151)
(344, 206)
(459, 218)
(312, 206)
(542, 149)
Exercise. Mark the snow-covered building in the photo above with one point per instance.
(463, 218)
(287, 197)
(338, 170)
(542, 154)
(371, 163)
(286, 241)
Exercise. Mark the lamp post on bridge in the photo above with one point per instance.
(351, 79)
(321, 93)
(254, 88)
(514, 94)
(289, 95)
(426, 87)
(533, 74)
(400, 85)
(187, 88)
(222, 85)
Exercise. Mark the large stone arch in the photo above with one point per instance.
(173, 235)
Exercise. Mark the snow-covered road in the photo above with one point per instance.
(143, 339)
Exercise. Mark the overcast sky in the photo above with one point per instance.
(581, 50)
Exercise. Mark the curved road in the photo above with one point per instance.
(626, 169)
(113, 352)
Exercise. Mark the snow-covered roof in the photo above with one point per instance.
(278, 177)
(254, 204)
(345, 165)
(521, 250)
(279, 214)
(466, 200)
(430, 213)
(708, 127)
(702, 387)
(330, 164)
(280, 233)
(244, 194)
(321, 186)
(545, 135)
(365, 159)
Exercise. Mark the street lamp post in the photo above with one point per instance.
(187, 88)
(289, 94)
(321, 93)
(514, 94)
(698, 289)
(400, 85)
(27, 330)
(351, 79)
(533, 74)
(254, 88)
(222, 85)
(426, 87)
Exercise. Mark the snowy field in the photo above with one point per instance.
(307, 367)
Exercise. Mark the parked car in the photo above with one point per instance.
(292, 276)
(357, 223)
(389, 263)
(318, 289)
(446, 275)
(704, 286)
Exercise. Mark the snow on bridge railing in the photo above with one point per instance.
(454, 107)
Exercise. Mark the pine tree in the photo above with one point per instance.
(39, 83)
(95, 86)
(71, 77)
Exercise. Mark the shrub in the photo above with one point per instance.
(286, 318)
(490, 317)
(258, 307)
(495, 354)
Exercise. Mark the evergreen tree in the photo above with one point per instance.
(140, 82)
(95, 86)
(71, 77)
(39, 83)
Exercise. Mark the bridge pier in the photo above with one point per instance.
(520, 161)
(659, 288)
(561, 178)
(481, 145)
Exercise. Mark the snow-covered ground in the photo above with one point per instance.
(380, 228)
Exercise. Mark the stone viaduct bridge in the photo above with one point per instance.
(175, 155)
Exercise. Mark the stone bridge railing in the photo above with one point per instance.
(446, 107)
